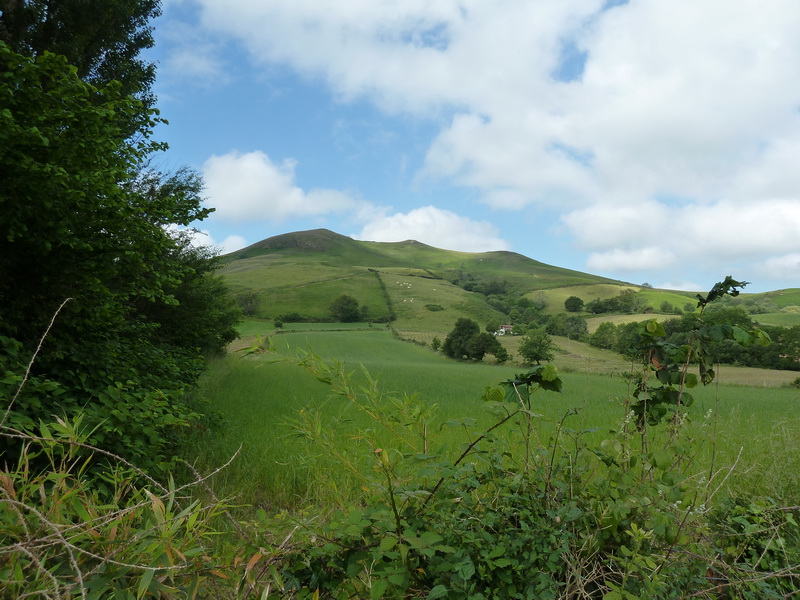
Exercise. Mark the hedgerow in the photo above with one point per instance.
(508, 514)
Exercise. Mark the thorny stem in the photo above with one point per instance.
(390, 491)
(30, 364)
(553, 455)
(467, 452)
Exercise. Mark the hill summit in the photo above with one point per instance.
(314, 240)
(414, 285)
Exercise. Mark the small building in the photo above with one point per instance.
(504, 329)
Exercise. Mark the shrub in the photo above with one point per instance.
(345, 309)
(573, 304)
(62, 537)
(508, 516)
(537, 346)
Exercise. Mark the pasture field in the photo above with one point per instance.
(783, 298)
(594, 322)
(261, 273)
(315, 299)
(555, 297)
(781, 319)
(587, 292)
(423, 304)
(655, 297)
(258, 398)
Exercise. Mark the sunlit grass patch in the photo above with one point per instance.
(258, 399)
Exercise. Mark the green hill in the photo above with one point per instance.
(425, 289)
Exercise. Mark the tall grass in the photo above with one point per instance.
(258, 398)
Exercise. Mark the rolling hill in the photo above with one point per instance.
(423, 288)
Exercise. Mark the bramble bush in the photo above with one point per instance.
(507, 514)
(60, 537)
(512, 516)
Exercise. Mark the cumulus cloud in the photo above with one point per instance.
(656, 235)
(673, 137)
(785, 267)
(682, 284)
(640, 259)
(435, 227)
(202, 237)
(251, 187)
(192, 55)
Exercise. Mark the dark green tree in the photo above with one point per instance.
(466, 340)
(102, 39)
(249, 303)
(630, 301)
(200, 315)
(572, 326)
(598, 306)
(605, 336)
(628, 339)
(501, 354)
(456, 343)
(83, 217)
(483, 343)
(537, 347)
(573, 304)
(345, 309)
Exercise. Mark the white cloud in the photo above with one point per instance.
(191, 54)
(687, 286)
(672, 97)
(435, 227)
(640, 259)
(654, 235)
(603, 227)
(785, 267)
(232, 243)
(251, 187)
(678, 142)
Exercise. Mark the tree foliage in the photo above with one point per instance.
(456, 342)
(573, 304)
(573, 327)
(102, 39)
(83, 217)
(605, 336)
(466, 340)
(627, 301)
(345, 309)
(537, 346)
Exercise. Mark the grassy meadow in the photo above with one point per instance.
(261, 397)
(781, 319)
(304, 443)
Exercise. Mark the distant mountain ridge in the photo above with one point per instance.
(416, 285)
(384, 253)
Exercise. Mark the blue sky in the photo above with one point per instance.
(649, 141)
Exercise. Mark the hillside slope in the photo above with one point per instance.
(426, 288)
(423, 288)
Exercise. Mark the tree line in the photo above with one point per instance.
(782, 353)
(94, 234)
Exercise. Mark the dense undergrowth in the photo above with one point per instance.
(510, 513)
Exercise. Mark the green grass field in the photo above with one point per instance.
(781, 319)
(257, 398)
(594, 322)
(434, 305)
(782, 298)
